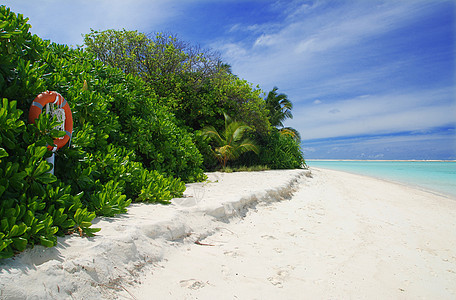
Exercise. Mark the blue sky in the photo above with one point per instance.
(368, 79)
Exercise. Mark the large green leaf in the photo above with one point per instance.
(46, 178)
(19, 243)
(3, 153)
(17, 230)
(47, 242)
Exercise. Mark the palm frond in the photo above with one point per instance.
(279, 107)
(239, 131)
(291, 132)
(249, 145)
(212, 133)
(230, 142)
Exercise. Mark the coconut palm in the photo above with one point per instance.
(279, 107)
(226, 68)
(290, 131)
(230, 143)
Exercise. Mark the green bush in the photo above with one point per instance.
(193, 83)
(124, 147)
(198, 89)
(277, 151)
(35, 206)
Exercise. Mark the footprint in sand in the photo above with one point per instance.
(192, 284)
(269, 237)
(226, 271)
(280, 277)
(231, 253)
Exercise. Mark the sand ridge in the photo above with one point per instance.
(111, 262)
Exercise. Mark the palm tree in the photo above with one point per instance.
(290, 131)
(230, 142)
(279, 107)
(226, 68)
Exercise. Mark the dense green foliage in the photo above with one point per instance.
(281, 151)
(139, 105)
(198, 88)
(279, 107)
(125, 147)
(230, 143)
(193, 83)
(277, 151)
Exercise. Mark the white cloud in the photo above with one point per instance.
(378, 114)
(265, 40)
(309, 149)
(65, 21)
(236, 51)
(313, 39)
(434, 145)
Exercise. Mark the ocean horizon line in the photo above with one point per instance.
(380, 160)
(436, 175)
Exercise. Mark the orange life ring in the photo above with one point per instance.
(53, 97)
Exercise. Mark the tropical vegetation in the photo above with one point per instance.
(230, 143)
(148, 117)
(279, 107)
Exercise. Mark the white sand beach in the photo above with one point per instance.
(260, 235)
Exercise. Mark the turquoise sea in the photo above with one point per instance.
(439, 176)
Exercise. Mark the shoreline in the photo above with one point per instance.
(392, 181)
(263, 234)
(380, 160)
(436, 176)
